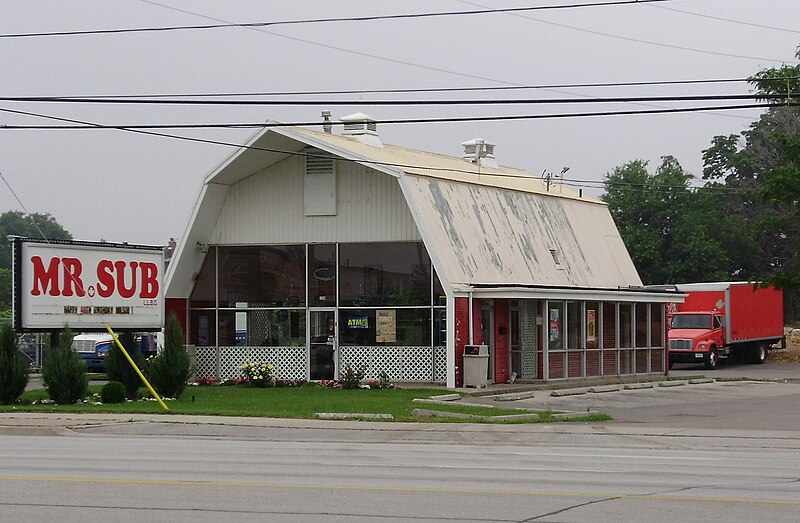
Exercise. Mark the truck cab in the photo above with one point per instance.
(696, 337)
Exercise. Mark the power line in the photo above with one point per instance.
(85, 125)
(629, 39)
(251, 25)
(522, 101)
(740, 22)
(428, 89)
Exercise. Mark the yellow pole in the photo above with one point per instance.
(130, 360)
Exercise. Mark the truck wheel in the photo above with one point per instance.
(758, 354)
(711, 359)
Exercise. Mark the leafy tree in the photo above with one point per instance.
(118, 368)
(34, 225)
(64, 372)
(763, 165)
(667, 227)
(169, 371)
(28, 225)
(13, 369)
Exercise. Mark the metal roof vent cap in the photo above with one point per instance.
(362, 127)
(480, 152)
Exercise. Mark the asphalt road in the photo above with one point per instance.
(723, 451)
(79, 478)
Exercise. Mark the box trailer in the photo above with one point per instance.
(720, 320)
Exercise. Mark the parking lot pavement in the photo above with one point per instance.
(736, 370)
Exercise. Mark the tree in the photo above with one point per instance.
(118, 368)
(669, 229)
(763, 164)
(13, 369)
(33, 225)
(63, 372)
(169, 371)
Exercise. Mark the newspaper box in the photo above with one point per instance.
(476, 365)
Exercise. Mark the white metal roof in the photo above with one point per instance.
(481, 225)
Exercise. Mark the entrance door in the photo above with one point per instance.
(322, 343)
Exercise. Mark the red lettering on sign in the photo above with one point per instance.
(46, 281)
(149, 280)
(125, 292)
(105, 278)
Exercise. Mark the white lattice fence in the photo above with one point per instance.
(400, 363)
(290, 362)
(440, 364)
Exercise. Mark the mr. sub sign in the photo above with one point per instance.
(87, 285)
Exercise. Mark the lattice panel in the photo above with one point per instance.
(290, 362)
(440, 364)
(400, 363)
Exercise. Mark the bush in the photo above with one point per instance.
(113, 392)
(169, 371)
(259, 373)
(13, 368)
(118, 368)
(351, 378)
(64, 372)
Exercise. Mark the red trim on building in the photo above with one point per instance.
(180, 308)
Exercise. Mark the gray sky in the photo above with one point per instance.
(121, 186)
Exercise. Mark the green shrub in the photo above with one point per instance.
(113, 392)
(118, 368)
(351, 378)
(64, 372)
(13, 368)
(169, 371)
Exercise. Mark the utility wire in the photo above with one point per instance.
(85, 125)
(740, 22)
(428, 89)
(520, 101)
(328, 20)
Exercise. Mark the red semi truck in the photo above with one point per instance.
(720, 320)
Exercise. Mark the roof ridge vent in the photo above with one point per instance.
(480, 152)
(362, 127)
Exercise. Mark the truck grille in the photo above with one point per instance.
(680, 344)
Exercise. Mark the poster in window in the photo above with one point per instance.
(386, 330)
(555, 325)
(591, 325)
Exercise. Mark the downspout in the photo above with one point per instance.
(471, 320)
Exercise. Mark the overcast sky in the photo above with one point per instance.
(122, 186)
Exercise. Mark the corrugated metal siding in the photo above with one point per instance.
(268, 208)
(498, 236)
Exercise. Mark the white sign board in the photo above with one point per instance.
(88, 285)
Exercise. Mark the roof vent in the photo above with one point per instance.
(481, 153)
(362, 127)
(326, 121)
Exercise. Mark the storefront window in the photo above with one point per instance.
(262, 276)
(555, 325)
(204, 292)
(625, 331)
(376, 274)
(574, 331)
(609, 325)
(657, 324)
(375, 327)
(267, 327)
(641, 324)
(321, 275)
(592, 324)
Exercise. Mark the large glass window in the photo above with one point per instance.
(271, 327)
(625, 329)
(641, 324)
(262, 276)
(657, 324)
(574, 331)
(396, 327)
(376, 274)
(321, 275)
(205, 285)
(609, 325)
(555, 325)
(592, 324)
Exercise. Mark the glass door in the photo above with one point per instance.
(322, 343)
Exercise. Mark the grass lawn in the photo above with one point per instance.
(289, 402)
